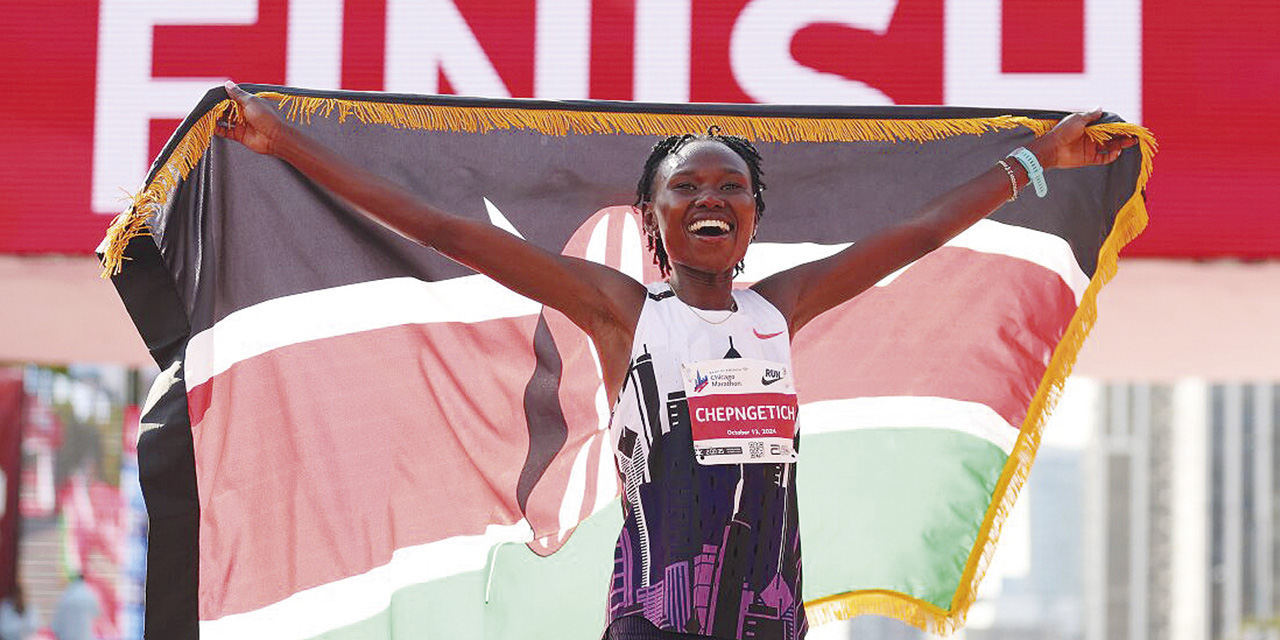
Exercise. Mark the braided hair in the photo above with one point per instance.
(672, 144)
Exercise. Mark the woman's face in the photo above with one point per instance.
(703, 206)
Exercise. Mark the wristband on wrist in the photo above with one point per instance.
(1035, 174)
(1013, 180)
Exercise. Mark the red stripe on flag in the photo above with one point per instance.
(990, 324)
(343, 428)
(579, 385)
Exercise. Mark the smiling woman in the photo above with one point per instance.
(703, 422)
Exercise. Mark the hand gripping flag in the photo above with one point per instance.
(354, 437)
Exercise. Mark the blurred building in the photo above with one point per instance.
(1181, 513)
(1160, 524)
(1129, 518)
(1040, 596)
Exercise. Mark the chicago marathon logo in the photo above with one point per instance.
(699, 381)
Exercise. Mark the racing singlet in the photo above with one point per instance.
(705, 436)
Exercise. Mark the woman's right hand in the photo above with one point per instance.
(258, 126)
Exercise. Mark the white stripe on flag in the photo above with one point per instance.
(987, 236)
(1045, 249)
(309, 613)
(327, 313)
(908, 412)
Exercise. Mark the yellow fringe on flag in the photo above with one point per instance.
(135, 219)
(1130, 221)
(879, 602)
(560, 122)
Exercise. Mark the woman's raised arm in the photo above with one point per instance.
(603, 302)
(806, 291)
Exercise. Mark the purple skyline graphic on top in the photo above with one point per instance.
(690, 557)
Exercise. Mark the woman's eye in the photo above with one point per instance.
(731, 186)
(684, 186)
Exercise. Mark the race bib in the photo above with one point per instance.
(741, 411)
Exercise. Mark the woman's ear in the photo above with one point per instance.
(647, 220)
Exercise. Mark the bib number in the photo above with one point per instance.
(741, 411)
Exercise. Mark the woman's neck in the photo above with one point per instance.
(709, 291)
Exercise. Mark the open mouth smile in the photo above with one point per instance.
(710, 228)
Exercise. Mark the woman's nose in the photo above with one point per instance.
(708, 198)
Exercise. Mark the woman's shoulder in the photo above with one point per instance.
(756, 303)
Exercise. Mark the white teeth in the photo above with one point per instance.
(703, 224)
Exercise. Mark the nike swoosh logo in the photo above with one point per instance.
(766, 381)
(766, 336)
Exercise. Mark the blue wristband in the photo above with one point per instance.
(1035, 173)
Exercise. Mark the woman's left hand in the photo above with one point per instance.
(1067, 146)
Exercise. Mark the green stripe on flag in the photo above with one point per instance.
(560, 597)
(931, 491)
(854, 538)
(445, 608)
(563, 596)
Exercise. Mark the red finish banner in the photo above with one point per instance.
(94, 87)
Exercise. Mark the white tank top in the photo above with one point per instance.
(704, 436)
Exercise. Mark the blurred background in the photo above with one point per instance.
(1153, 508)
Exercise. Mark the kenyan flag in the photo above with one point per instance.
(355, 437)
